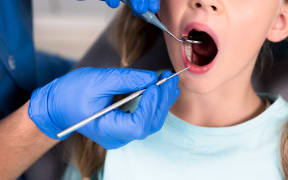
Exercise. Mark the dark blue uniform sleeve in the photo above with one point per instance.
(21, 68)
(17, 61)
(16, 42)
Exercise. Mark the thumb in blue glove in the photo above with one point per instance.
(147, 119)
(138, 6)
(83, 92)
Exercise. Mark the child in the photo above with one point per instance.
(219, 128)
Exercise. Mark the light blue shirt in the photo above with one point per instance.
(183, 151)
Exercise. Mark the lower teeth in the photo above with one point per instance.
(188, 52)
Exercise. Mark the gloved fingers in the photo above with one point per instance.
(170, 88)
(114, 144)
(110, 81)
(127, 80)
(169, 94)
(111, 142)
(145, 112)
(128, 126)
(107, 142)
(139, 6)
(135, 13)
(106, 130)
(113, 3)
(154, 6)
(161, 116)
(114, 124)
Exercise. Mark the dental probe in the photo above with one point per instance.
(113, 106)
(152, 19)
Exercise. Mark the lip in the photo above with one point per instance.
(194, 68)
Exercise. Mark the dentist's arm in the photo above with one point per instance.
(21, 143)
(32, 130)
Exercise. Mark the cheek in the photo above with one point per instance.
(244, 39)
(171, 13)
(249, 25)
(165, 12)
(174, 52)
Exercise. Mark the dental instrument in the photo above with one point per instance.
(152, 19)
(113, 106)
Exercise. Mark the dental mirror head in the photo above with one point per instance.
(183, 40)
(190, 41)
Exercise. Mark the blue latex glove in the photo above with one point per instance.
(138, 6)
(83, 92)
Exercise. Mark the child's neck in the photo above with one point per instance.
(222, 107)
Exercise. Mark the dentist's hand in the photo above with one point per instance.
(138, 6)
(83, 92)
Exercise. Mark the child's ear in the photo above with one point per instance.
(279, 30)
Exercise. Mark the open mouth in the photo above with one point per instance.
(203, 53)
(200, 55)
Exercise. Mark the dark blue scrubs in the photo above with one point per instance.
(22, 69)
(17, 58)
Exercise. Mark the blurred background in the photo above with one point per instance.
(69, 27)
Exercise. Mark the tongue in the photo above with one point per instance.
(202, 53)
(206, 48)
(201, 60)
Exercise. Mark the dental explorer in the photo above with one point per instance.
(113, 106)
(152, 19)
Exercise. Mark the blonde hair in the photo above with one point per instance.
(132, 32)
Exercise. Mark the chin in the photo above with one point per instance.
(197, 86)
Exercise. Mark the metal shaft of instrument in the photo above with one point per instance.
(183, 40)
(113, 106)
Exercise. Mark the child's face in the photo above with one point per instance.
(238, 28)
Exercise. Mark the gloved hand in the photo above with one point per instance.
(138, 6)
(83, 92)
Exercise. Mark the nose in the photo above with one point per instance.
(213, 6)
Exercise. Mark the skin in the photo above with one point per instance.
(22, 143)
(223, 96)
